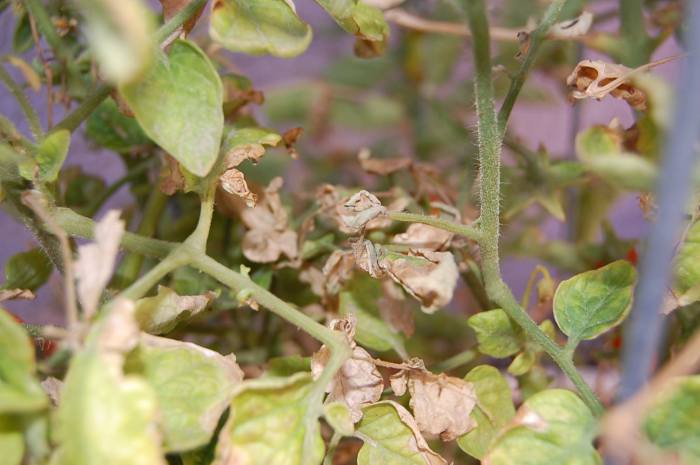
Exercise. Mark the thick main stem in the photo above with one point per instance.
(490, 141)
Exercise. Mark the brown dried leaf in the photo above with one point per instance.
(171, 179)
(441, 404)
(384, 166)
(337, 270)
(432, 281)
(269, 235)
(233, 181)
(16, 294)
(96, 260)
(358, 382)
(570, 28)
(394, 310)
(240, 153)
(289, 138)
(359, 209)
(424, 237)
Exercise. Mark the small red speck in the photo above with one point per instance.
(632, 256)
(17, 319)
(617, 341)
(599, 264)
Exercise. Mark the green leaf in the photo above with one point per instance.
(106, 417)
(593, 302)
(20, 392)
(366, 22)
(193, 385)
(673, 423)
(120, 34)
(259, 27)
(11, 441)
(391, 437)
(600, 150)
(27, 270)
(269, 422)
(552, 427)
(109, 128)
(287, 366)
(50, 155)
(497, 335)
(160, 314)
(338, 415)
(688, 260)
(493, 412)
(360, 299)
(254, 137)
(22, 37)
(178, 103)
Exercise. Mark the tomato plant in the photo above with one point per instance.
(313, 273)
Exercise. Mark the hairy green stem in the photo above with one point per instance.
(176, 259)
(490, 139)
(27, 108)
(77, 116)
(467, 231)
(537, 37)
(453, 362)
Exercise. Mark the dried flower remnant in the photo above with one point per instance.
(95, 262)
(171, 179)
(337, 270)
(360, 209)
(268, 236)
(441, 404)
(358, 382)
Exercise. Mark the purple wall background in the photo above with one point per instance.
(535, 124)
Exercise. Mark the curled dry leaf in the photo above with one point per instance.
(162, 312)
(16, 294)
(95, 262)
(268, 236)
(289, 138)
(337, 271)
(432, 280)
(358, 382)
(424, 237)
(233, 182)
(430, 277)
(441, 404)
(384, 166)
(360, 209)
(572, 27)
(394, 310)
(596, 79)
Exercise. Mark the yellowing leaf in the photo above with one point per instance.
(366, 22)
(259, 27)
(391, 437)
(673, 422)
(106, 417)
(494, 410)
(20, 392)
(593, 302)
(95, 262)
(120, 33)
(497, 335)
(161, 313)
(178, 103)
(552, 427)
(441, 404)
(49, 157)
(269, 425)
(193, 385)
